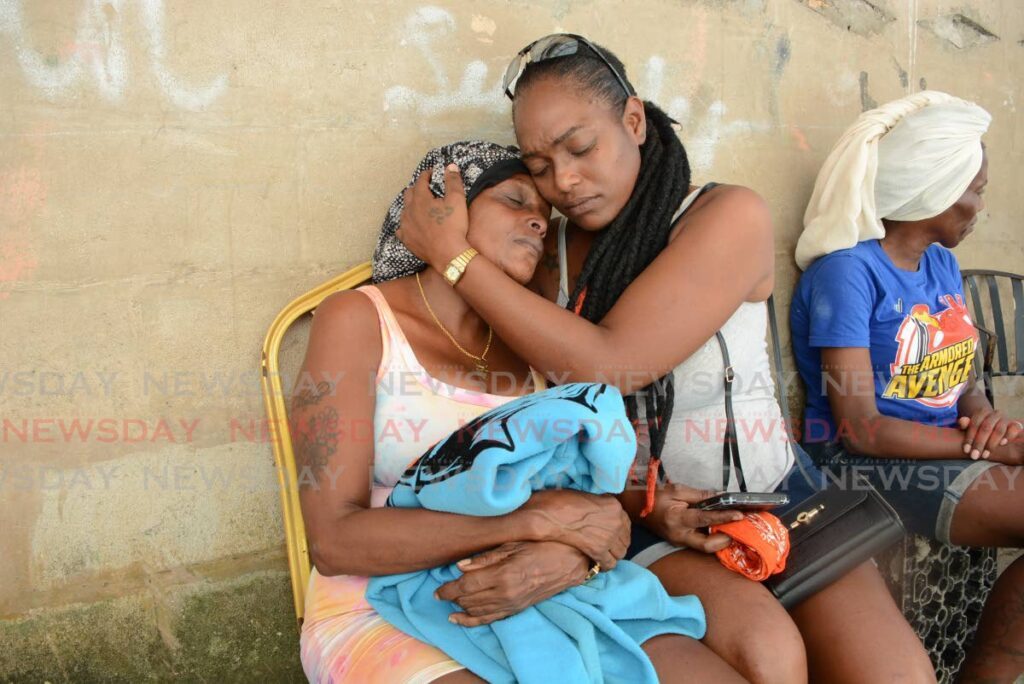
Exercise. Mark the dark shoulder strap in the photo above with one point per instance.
(780, 374)
(730, 446)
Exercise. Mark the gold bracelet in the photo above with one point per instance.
(457, 266)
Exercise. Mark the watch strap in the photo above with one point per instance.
(457, 266)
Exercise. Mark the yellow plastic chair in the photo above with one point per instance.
(280, 435)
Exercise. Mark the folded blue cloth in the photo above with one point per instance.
(574, 436)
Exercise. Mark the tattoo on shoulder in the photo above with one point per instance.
(312, 396)
(316, 442)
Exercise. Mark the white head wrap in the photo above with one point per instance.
(907, 160)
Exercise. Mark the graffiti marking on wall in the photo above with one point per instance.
(99, 51)
(426, 29)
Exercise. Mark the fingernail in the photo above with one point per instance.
(463, 562)
(1004, 442)
(975, 454)
(985, 453)
(437, 596)
(452, 167)
(451, 619)
(967, 447)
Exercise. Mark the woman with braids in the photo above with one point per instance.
(404, 377)
(645, 271)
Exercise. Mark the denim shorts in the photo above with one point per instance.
(925, 493)
(802, 480)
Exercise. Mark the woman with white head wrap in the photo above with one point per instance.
(886, 346)
(907, 160)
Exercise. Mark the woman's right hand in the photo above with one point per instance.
(677, 522)
(1010, 454)
(595, 524)
(435, 228)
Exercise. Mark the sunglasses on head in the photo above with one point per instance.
(550, 47)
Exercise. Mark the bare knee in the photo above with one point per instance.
(769, 651)
(747, 626)
(678, 658)
(854, 632)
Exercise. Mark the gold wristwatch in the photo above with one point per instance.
(457, 266)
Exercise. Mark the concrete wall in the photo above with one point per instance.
(171, 175)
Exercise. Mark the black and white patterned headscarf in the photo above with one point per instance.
(482, 165)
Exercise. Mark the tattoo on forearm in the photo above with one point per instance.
(316, 442)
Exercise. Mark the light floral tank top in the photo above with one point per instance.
(413, 412)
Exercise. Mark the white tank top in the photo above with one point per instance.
(693, 444)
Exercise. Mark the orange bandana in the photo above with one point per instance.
(759, 548)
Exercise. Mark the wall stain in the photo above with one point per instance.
(782, 55)
(857, 16)
(245, 625)
(866, 101)
(959, 30)
(904, 76)
(780, 58)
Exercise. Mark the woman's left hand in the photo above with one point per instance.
(987, 429)
(435, 228)
(506, 580)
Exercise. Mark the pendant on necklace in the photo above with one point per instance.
(482, 369)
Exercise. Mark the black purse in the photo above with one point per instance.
(832, 531)
(830, 534)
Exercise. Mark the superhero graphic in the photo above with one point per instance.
(935, 355)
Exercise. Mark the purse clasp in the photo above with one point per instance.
(805, 516)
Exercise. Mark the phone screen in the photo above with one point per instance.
(743, 501)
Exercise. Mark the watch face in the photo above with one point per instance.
(451, 273)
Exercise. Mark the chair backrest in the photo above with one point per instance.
(996, 299)
(280, 435)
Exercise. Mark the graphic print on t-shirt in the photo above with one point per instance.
(935, 354)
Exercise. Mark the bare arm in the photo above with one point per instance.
(332, 408)
(662, 318)
(863, 430)
(985, 428)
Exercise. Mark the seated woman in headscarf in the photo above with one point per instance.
(390, 370)
(886, 346)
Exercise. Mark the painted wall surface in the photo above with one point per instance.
(172, 174)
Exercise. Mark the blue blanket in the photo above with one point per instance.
(575, 436)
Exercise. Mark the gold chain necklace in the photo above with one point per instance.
(479, 361)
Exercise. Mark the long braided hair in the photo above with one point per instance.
(639, 233)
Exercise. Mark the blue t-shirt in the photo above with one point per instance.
(920, 335)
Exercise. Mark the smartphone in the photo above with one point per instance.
(743, 501)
